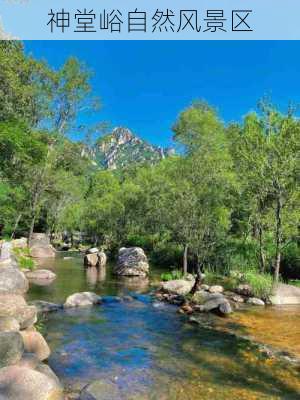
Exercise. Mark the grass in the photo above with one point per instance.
(295, 282)
(23, 258)
(169, 276)
(261, 284)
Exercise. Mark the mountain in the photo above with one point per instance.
(121, 148)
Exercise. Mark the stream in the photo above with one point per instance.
(140, 349)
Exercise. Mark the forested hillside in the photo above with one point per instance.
(228, 201)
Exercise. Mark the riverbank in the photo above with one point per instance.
(23, 350)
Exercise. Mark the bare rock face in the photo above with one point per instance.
(132, 261)
(82, 299)
(20, 383)
(178, 286)
(13, 305)
(11, 348)
(12, 280)
(36, 344)
(40, 246)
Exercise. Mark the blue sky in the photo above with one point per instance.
(145, 84)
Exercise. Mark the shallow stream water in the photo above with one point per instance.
(142, 350)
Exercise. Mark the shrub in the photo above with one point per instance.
(26, 263)
(261, 284)
(168, 276)
(295, 282)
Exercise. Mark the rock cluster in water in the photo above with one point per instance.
(208, 298)
(23, 376)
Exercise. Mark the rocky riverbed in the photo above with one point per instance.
(109, 342)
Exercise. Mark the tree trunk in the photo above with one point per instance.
(16, 225)
(31, 229)
(261, 251)
(185, 263)
(198, 280)
(278, 239)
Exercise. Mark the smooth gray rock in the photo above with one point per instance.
(11, 348)
(40, 274)
(82, 299)
(100, 390)
(21, 383)
(225, 308)
(244, 290)
(45, 306)
(178, 286)
(12, 280)
(12, 305)
(35, 343)
(255, 301)
(216, 289)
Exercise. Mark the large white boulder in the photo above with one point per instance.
(132, 261)
(285, 294)
(178, 286)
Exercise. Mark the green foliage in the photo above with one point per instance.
(26, 263)
(23, 258)
(295, 282)
(168, 276)
(261, 284)
(230, 198)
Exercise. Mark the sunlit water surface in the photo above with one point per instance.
(142, 349)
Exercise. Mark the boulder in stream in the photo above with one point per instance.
(100, 390)
(40, 246)
(132, 261)
(40, 277)
(178, 286)
(95, 259)
(82, 299)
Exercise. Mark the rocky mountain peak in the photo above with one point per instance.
(121, 148)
